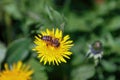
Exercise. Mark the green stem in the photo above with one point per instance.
(8, 27)
(66, 6)
(0, 66)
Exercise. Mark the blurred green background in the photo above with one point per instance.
(84, 20)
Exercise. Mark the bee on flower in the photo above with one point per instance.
(50, 41)
(52, 47)
(95, 51)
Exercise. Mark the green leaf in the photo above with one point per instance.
(79, 49)
(77, 60)
(115, 46)
(54, 15)
(39, 70)
(18, 50)
(13, 10)
(83, 72)
(102, 9)
(109, 66)
(76, 23)
(113, 24)
(112, 77)
(2, 51)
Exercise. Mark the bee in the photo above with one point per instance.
(46, 38)
(55, 42)
(50, 41)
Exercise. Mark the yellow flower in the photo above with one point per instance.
(16, 72)
(52, 47)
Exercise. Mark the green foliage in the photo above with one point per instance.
(109, 66)
(18, 50)
(85, 22)
(39, 70)
(2, 52)
(83, 72)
